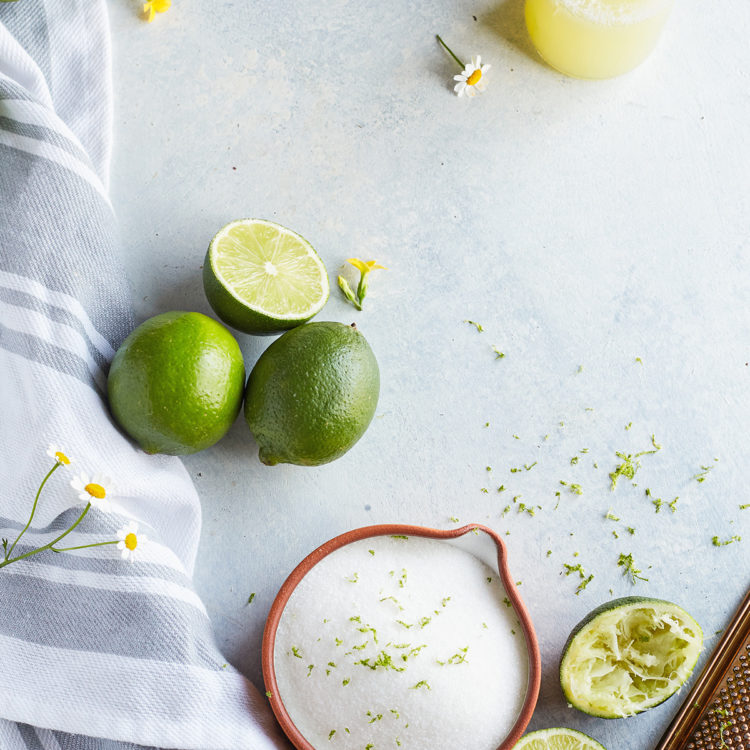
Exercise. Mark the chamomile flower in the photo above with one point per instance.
(130, 540)
(471, 81)
(92, 489)
(54, 452)
(152, 7)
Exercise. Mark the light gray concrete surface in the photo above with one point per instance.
(583, 224)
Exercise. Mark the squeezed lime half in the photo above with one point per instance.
(629, 655)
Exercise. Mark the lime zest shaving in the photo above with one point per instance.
(723, 542)
(626, 562)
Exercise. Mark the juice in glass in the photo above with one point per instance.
(595, 38)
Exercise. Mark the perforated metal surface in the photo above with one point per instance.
(726, 721)
(716, 712)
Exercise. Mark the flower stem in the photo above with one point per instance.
(450, 51)
(33, 507)
(49, 544)
(83, 546)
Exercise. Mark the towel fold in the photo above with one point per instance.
(95, 651)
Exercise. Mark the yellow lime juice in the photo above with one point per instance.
(595, 38)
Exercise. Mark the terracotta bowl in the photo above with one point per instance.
(487, 546)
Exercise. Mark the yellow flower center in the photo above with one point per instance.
(473, 79)
(95, 490)
(62, 458)
(131, 541)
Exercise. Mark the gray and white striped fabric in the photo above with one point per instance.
(95, 652)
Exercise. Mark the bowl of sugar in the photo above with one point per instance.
(395, 636)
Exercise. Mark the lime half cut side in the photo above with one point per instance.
(629, 655)
(557, 738)
(260, 277)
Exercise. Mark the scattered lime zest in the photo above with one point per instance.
(498, 353)
(529, 467)
(269, 694)
(331, 733)
(639, 360)
(421, 684)
(400, 536)
(626, 562)
(296, 652)
(744, 506)
(724, 542)
(628, 425)
(476, 325)
(250, 598)
(611, 516)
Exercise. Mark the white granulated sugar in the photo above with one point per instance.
(392, 642)
(614, 12)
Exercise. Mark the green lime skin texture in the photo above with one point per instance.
(629, 655)
(262, 278)
(175, 385)
(312, 394)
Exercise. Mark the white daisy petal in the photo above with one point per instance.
(121, 544)
(476, 60)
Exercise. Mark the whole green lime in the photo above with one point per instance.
(175, 385)
(312, 394)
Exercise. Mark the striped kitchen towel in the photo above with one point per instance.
(96, 652)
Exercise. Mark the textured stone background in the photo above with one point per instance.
(581, 223)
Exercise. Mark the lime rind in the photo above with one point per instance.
(629, 655)
(557, 738)
(260, 277)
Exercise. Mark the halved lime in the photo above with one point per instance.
(262, 278)
(629, 655)
(557, 738)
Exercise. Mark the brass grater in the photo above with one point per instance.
(716, 712)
